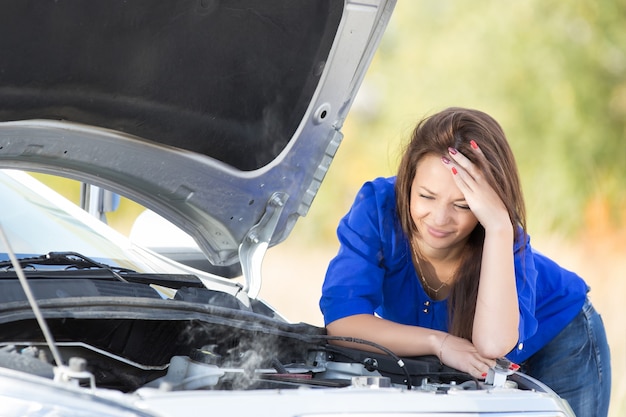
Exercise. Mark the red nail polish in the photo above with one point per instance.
(445, 160)
(454, 171)
(514, 367)
(452, 151)
(484, 375)
(474, 145)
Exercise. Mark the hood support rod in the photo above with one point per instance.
(32, 301)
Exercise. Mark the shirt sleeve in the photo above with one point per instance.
(354, 278)
(526, 281)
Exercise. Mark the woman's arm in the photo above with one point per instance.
(496, 320)
(406, 340)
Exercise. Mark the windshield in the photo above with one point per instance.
(37, 221)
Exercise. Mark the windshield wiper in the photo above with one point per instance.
(75, 263)
(33, 302)
(72, 260)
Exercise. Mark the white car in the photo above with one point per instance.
(223, 118)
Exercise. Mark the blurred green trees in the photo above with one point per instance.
(553, 73)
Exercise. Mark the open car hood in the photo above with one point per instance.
(220, 116)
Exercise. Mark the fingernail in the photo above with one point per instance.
(452, 151)
(474, 145)
(454, 171)
(484, 375)
(514, 367)
(445, 160)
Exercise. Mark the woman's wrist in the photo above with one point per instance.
(500, 221)
(441, 347)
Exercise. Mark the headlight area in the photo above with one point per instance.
(22, 395)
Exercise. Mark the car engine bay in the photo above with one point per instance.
(127, 343)
(112, 328)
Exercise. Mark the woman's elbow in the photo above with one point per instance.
(347, 326)
(335, 328)
(494, 347)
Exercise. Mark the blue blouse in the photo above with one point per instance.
(373, 273)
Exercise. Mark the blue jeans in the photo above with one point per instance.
(576, 364)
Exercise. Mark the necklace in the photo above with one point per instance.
(434, 291)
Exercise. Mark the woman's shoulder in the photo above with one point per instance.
(375, 199)
(373, 217)
(381, 187)
(550, 269)
(384, 182)
(379, 193)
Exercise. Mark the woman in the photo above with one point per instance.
(436, 261)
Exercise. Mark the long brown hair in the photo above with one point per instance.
(455, 127)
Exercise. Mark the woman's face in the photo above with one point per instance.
(438, 208)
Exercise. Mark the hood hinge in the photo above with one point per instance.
(255, 244)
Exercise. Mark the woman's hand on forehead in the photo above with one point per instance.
(482, 199)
